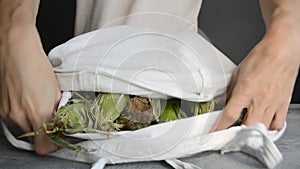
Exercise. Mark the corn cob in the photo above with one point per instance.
(113, 112)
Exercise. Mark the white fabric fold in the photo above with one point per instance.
(253, 140)
(143, 61)
(162, 142)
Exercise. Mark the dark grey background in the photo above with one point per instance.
(234, 26)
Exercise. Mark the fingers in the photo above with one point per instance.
(268, 116)
(255, 113)
(4, 103)
(43, 143)
(17, 116)
(21, 120)
(232, 111)
(279, 118)
(271, 116)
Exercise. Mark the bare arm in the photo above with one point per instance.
(263, 83)
(17, 14)
(273, 10)
(29, 91)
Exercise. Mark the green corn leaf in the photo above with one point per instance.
(170, 111)
(111, 105)
(72, 116)
(107, 109)
(64, 144)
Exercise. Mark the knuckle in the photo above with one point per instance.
(230, 116)
(18, 120)
(43, 111)
(39, 115)
(36, 108)
(246, 83)
(265, 96)
(14, 117)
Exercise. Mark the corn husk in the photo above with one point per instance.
(109, 112)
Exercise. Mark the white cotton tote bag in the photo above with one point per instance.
(152, 63)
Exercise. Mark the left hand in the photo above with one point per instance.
(263, 83)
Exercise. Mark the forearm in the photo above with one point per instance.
(283, 10)
(282, 18)
(29, 91)
(16, 16)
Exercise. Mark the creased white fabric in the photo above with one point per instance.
(142, 61)
(166, 15)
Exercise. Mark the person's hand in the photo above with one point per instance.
(263, 83)
(29, 91)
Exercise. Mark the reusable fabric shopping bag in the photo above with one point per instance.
(152, 63)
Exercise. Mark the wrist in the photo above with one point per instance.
(282, 41)
(22, 43)
(15, 35)
(16, 16)
(286, 12)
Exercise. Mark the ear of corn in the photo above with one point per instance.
(111, 105)
(172, 111)
(105, 109)
(112, 112)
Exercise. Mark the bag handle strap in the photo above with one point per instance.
(15, 142)
(254, 141)
(177, 164)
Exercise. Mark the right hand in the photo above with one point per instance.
(29, 91)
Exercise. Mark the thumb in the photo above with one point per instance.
(43, 144)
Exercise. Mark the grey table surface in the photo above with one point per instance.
(289, 145)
